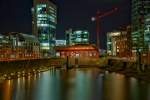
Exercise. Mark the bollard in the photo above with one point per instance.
(67, 63)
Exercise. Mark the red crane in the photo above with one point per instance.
(97, 18)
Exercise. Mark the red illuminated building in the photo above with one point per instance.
(78, 51)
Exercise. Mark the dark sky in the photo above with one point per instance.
(15, 15)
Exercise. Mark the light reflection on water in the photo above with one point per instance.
(75, 84)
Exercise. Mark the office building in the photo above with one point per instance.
(18, 46)
(44, 25)
(77, 37)
(119, 43)
(80, 37)
(139, 12)
(147, 32)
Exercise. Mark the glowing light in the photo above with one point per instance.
(93, 18)
(44, 44)
(46, 48)
(115, 34)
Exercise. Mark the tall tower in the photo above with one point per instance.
(44, 14)
(140, 9)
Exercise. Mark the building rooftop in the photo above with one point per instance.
(28, 37)
(76, 47)
(22, 36)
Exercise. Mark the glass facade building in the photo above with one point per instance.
(44, 25)
(139, 13)
(147, 32)
(77, 37)
(18, 46)
(80, 37)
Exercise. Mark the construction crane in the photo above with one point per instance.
(98, 18)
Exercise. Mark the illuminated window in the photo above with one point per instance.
(45, 48)
(44, 44)
(42, 15)
(85, 39)
(78, 39)
(43, 25)
(58, 54)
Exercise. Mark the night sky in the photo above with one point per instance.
(15, 15)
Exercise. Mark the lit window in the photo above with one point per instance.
(45, 48)
(58, 54)
(85, 39)
(43, 25)
(42, 15)
(44, 44)
(41, 5)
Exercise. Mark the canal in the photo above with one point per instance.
(75, 84)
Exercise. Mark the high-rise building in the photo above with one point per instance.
(44, 25)
(139, 12)
(147, 32)
(77, 37)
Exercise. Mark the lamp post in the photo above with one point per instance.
(138, 59)
(67, 62)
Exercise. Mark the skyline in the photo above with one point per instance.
(71, 14)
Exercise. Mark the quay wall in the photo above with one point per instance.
(123, 65)
(10, 66)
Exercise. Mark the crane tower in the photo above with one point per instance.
(98, 18)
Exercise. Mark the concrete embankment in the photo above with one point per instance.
(131, 69)
(18, 68)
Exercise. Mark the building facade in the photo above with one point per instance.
(44, 25)
(80, 37)
(85, 54)
(111, 43)
(77, 37)
(140, 30)
(139, 12)
(17, 46)
(119, 44)
(147, 32)
(78, 51)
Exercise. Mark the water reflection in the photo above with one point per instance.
(139, 90)
(7, 90)
(114, 87)
(75, 84)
